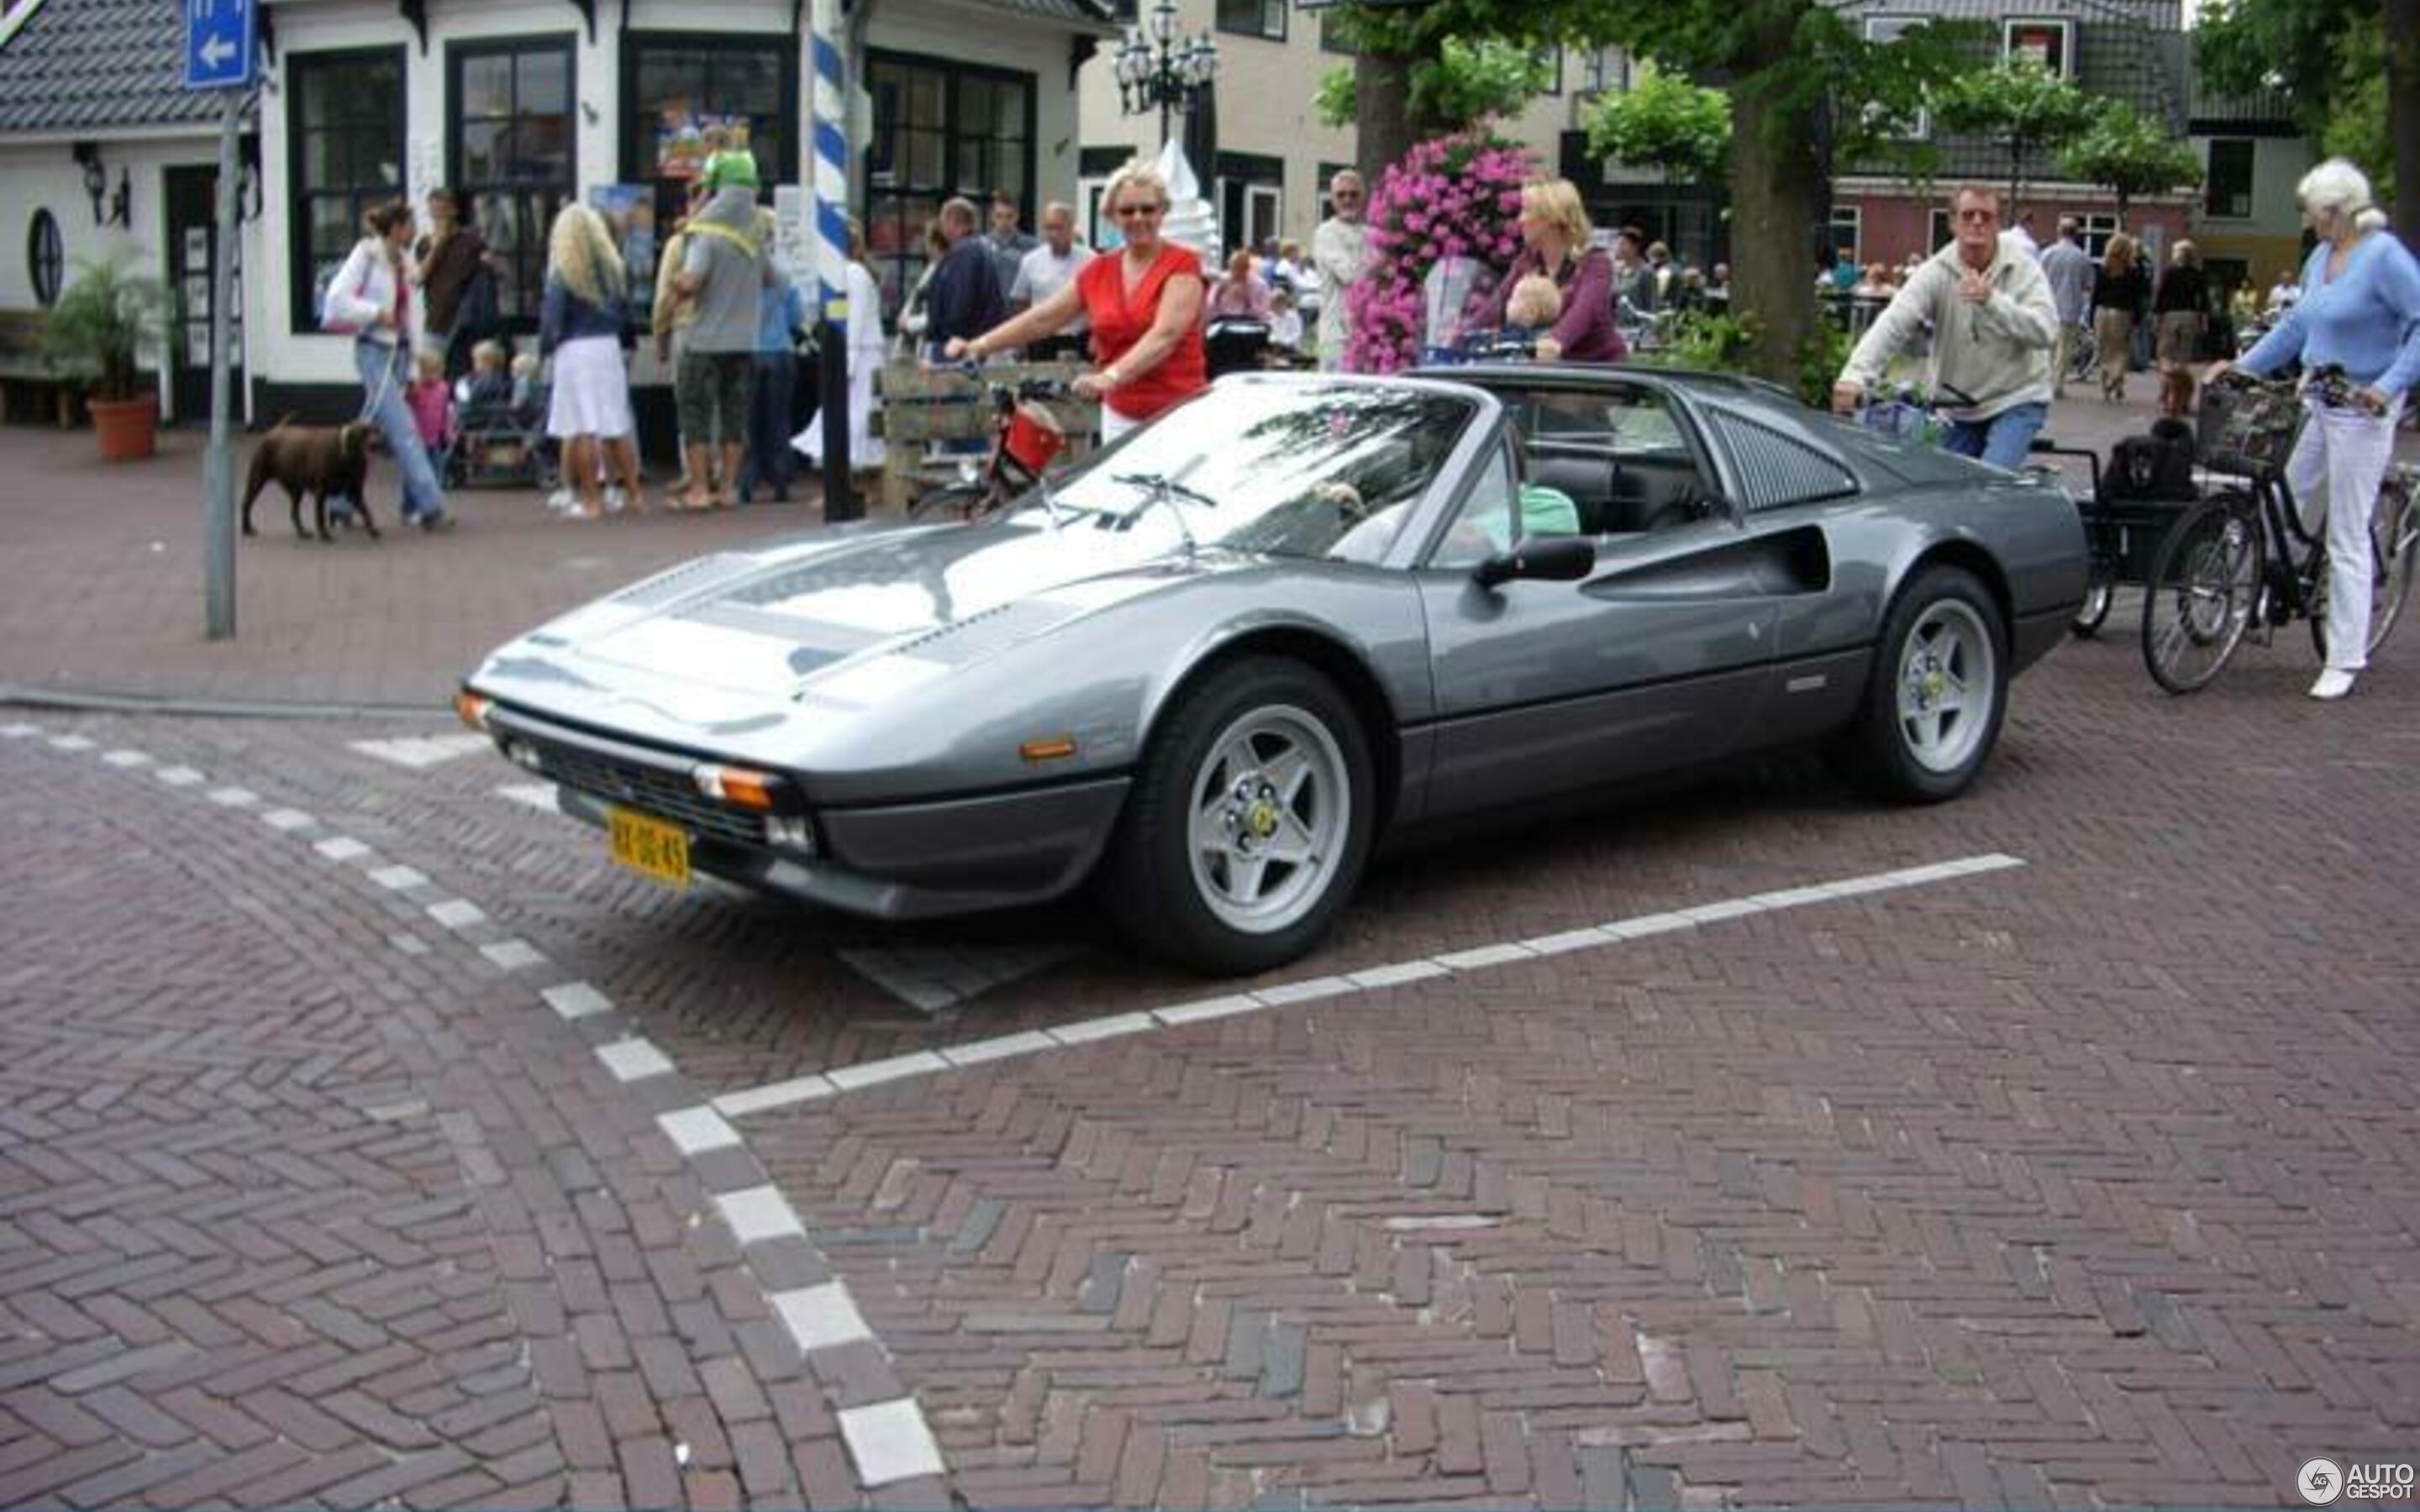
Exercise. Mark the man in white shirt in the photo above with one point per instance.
(1338, 251)
(1046, 270)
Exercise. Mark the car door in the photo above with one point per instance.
(1657, 659)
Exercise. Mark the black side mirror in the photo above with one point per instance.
(1556, 559)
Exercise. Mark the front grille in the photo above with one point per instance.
(664, 794)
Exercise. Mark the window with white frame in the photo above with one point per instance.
(2047, 42)
(1885, 29)
(1848, 233)
(2092, 233)
(345, 143)
(510, 158)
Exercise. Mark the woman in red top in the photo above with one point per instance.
(1146, 309)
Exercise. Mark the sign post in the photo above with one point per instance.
(218, 40)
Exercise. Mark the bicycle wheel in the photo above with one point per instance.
(2204, 589)
(2394, 555)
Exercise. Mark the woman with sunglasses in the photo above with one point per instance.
(1145, 305)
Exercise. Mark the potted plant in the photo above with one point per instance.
(97, 329)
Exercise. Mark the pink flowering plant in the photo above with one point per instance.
(1452, 196)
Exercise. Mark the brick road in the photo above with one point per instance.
(2086, 1181)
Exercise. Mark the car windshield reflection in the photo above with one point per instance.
(1283, 470)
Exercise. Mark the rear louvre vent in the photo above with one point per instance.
(1776, 468)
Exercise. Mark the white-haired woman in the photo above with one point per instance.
(580, 323)
(1146, 309)
(2360, 311)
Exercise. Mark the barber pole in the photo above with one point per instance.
(829, 89)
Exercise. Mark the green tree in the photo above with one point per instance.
(2025, 105)
(2130, 154)
(1472, 82)
(1663, 122)
(2351, 69)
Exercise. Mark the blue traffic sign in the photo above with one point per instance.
(218, 44)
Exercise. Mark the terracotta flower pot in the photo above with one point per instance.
(129, 429)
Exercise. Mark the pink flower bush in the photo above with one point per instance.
(1452, 196)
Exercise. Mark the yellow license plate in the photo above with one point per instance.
(649, 845)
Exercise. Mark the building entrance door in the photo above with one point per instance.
(192, 233)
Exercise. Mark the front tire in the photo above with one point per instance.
(1250, 822)
(1932, 707)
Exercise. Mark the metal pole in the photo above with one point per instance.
(218, 470)
(831, 202)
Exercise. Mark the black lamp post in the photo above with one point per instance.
(1160, 70)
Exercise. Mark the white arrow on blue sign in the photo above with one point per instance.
(218, 44)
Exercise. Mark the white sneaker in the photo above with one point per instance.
(562, 500)
(2333, 684)
(615, 501)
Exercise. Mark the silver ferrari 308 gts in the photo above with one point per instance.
(1211, 666)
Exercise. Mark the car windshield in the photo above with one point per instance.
(1294, 469)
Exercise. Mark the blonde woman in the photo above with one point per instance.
(587, 301)
(2182, 309)
(1555, 245)
(1146, 309)
(2119, 298)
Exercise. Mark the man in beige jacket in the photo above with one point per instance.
(1994, 329)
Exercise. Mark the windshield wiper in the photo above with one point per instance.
(1168, 490)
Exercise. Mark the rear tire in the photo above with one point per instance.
(2205, 588)
(1250, 822)
(1938, 691)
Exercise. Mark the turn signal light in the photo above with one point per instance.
(737, 786)
(472, 710)
(1058, 748)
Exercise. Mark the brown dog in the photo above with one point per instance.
(318, 460)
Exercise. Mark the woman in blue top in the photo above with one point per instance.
(2359, 310)
(581, 324)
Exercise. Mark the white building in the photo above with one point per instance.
(519, 105)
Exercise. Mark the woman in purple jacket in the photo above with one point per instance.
(1555, 243)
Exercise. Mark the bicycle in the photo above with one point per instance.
(2241, 563)
(2083, 353)
(1026, 438)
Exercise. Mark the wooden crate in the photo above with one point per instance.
(920, 407)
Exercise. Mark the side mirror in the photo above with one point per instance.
(1558, 559)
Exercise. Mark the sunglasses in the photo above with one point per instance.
(1124, 210)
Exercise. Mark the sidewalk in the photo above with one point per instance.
(100, 574)
(102, 587)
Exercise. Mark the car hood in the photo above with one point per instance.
(842, 619)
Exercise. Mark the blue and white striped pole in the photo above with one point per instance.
(829, 88)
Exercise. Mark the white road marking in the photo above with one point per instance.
(851, 1078)
(759, 1213)
(576, 1000)
(634, 1059)
(423, 752)
(539, 795)
(234, 798)
(457, 912)
(287, 821)
(397, 878)
(127, 758)
(20, 732)
(821, 1317)
(696, 1130)
(513, 955)
(342, 848)
(890, 1442)
(71, 743)
(178, 777)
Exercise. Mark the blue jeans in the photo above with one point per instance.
(383, 371)
(2001, 441)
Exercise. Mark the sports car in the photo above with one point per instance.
(1210, 667)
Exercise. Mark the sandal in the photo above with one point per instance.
(675, 504)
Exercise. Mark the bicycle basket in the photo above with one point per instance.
(2246, 430)
(1034, 436)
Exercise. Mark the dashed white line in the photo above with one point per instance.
(20, 732)
(890, 1442)
(758, 1213)
(778, 1095)
(71, 743)
(422, 752)
(634, 1060)
(179, 776)
(287, 821)
(398, 878)
(234, 798)
(539, 795)
(513, 955)
(576, 1000)
(127, 757)
(457, 912)
(342, 848)
(696, 1130)
(821, 1317)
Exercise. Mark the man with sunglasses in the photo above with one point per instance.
(1994, 329)
(1338, 251)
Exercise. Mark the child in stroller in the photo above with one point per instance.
(501, 440)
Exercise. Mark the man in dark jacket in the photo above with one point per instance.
(966, 298)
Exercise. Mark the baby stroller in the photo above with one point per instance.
(1233, 344)
(500, 444)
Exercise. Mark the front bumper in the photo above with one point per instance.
(916, 859)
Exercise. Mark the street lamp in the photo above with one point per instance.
(1160, 71)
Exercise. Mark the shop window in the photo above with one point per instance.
(939, 129)
(344, 131)
(511, 148)
(675, 86)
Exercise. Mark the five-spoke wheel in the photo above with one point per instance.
(1938, 691)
